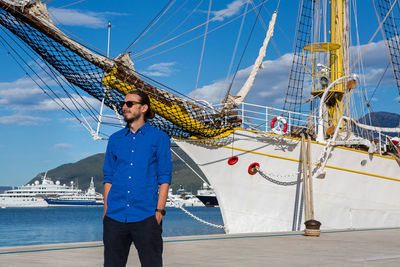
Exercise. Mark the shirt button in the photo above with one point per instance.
(129, 192)
(130, 177)
(133, 150)
(127, 205)
(131, 164)
(133, 138)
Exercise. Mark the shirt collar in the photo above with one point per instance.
(143, 129)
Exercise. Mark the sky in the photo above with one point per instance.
(36, 135)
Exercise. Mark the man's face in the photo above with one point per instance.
(134, 112)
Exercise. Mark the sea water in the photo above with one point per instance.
(33, 226)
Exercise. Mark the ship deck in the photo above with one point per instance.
(363, 247)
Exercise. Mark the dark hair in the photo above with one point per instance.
(144, 100)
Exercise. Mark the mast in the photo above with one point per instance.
(338, 36)
(328, 62)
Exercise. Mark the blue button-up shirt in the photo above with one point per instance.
(135, 164)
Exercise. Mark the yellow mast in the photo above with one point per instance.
(335, 104)
(329, 61)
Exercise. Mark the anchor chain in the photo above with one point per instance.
(177, 205)
(201, 220)
(269, 178)
(186, 211)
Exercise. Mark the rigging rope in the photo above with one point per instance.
(210, 31)
(62, 105)
(148, 26)
(74, 3)
(236, 44)
(183, 22)
(186, 32)
(379, 82)
(244, 50)
(53, 75)
(181, 206)
(204, 44)
(190, 167)
(282, 32)
(55, 97)
(373, 36)
(176, 115)
(170, 17)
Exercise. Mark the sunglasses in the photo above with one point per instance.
(129, 104)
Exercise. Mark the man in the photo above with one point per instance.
(137, 174)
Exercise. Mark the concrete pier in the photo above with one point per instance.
(363, 247)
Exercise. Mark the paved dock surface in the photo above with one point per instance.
(366, 247)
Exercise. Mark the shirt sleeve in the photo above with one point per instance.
(109, 163)
(164, 160)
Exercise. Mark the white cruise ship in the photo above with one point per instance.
(88, 198)
(33, 195)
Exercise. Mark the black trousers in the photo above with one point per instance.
(145, 235)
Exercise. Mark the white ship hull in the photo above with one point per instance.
(22, 202)
(359, 189)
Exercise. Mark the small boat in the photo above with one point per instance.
(182, 198)
(207, 195)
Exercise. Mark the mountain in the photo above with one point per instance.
(4, 188)
(381, 119)
(81, 171)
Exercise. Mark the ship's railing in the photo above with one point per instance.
(259, 117)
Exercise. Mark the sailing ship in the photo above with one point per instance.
(271, 169)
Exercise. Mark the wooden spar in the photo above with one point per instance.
(305, 186)
(35, 15)
(310, 186)
(312, 226)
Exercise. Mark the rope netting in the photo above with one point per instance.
(104, 78)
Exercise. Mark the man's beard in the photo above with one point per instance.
(134, 118)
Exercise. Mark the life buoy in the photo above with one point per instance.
(396, 142)
(281, 120)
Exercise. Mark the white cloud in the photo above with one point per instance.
(160, 69)
(225, 13)
(271, 82)
(50, 105)
(62, 146)
(19, 119)
(24, 95)
(73, 17)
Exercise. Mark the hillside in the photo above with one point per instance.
(81, 171)
(381, 119)
(4, 188)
